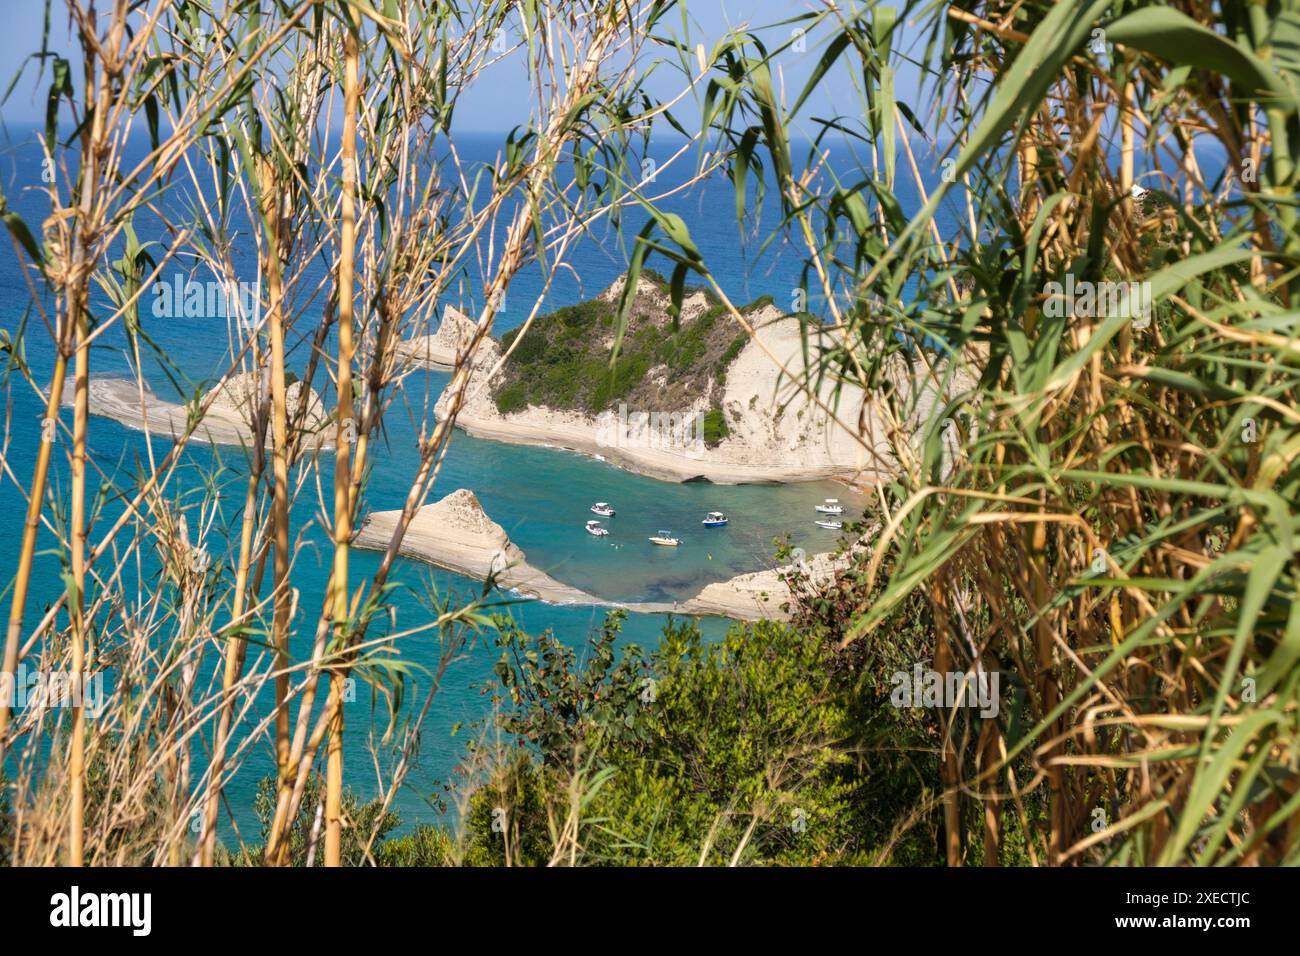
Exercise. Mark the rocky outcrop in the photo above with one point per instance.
(455, 533)
(776, 431)
(439, 350)
(231, 406)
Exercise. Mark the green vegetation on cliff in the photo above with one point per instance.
(563, 361)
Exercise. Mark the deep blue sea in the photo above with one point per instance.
(539, 495)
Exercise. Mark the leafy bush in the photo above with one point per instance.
(715, 427)
(729, 356)
(426, 845)
(512, 398)
(742, 747)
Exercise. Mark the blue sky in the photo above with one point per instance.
(493, 103)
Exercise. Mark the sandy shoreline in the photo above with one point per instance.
(455, 533)
(550, 429)
(223, 424)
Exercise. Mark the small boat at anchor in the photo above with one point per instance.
(831, 507)
(665, 539)
(714, 519)
(830, 525)
(603, 508)
(595, 527)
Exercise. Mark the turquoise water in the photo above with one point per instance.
(540, 496)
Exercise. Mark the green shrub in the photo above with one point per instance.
(528, 351)
(729, 356)
(512, 398)
(426, 845)
(746, 725)
(701, 744)
(715, 427)
(614, 384)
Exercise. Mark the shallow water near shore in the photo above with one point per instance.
(542, 498)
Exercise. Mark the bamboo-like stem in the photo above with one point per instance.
(346, 435)
(989, 748)
(236, 648)
(76, 606)
(949, 770)
(98, 92)
(31, 526)
(1046, 686)
(271, 268)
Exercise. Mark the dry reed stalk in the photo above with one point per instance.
(346, 432)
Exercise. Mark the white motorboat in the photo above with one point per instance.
(714, 519)
(595, 527)
(603, 508)
(830, 525)
(831, 507)
(664, 538)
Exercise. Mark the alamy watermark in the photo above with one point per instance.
(40, 688)
(923, 687)
(678, 431)
(75, 908)
(1100, 300)
(206, 300)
